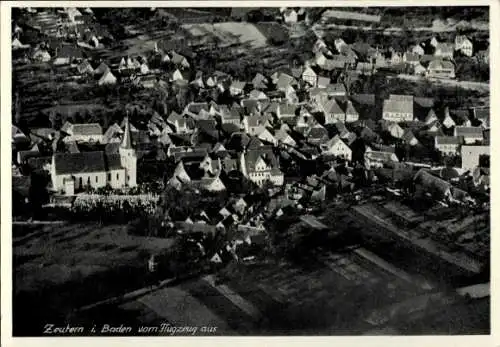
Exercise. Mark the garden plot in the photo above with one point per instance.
(230, 33)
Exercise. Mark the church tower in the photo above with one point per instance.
(128, 157)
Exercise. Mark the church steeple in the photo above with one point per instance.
(127, 137)
(128, 157)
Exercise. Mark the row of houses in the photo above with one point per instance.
(267, 115)
(430, 58)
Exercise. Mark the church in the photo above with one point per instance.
(73, 172)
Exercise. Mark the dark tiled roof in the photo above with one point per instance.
(316, 132)
(399, 104)
(259, 81)
(287, 109)
(72, 147)
(350, 109)
(86, 129)
(249, 103)
(254, 143)
(449, 140)
(331, 107)
(69, 51)
(424, 102)
(207, 125)
(252, 156)
(440, 65)
(196, 108)
(284, 81)
(366, 99)
(177, 58)
(113, 161)
(430, 181)
(113, 147)
(230, 128)
(238, 84)
(335, 88)
(469, 131)
(71, 163)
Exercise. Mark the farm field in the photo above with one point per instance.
(336, 293)
(331, 296)
(43, 86)
(230, 33)
(62, 267)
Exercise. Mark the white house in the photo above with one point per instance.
(41, 55)
(177, 76)
(144, 68)
(469, 134)
(447, 144)
(107, 79)
(351, 115)
(377, 159)
(448, 122)
(290, 16)
(470, 155)
(431, 117)
(441, 69)
(396, 58)
(309, 76)
(282, 137)
(409, 138)
(395, 130)
(88, 132)
(336, 147)
(237, 88)
(254, 125)
(339, 44)
(16, 44)
(265, 135)
(332, 111)
(260, 166)
(179, 60)
(319, 46)
(464, 45)
(419, 69)
(418, 49)
(398, 108)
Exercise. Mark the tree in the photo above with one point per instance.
(255, 16)
(38, 193)
(55, 120)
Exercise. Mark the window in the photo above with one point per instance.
(109, 177)
(96, 179)
(117, 176)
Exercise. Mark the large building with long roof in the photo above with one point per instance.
(73, 172)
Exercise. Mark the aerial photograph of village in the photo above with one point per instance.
(233, 171)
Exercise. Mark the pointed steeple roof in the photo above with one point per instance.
(127, 137)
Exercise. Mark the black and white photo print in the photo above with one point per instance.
(249, 171)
